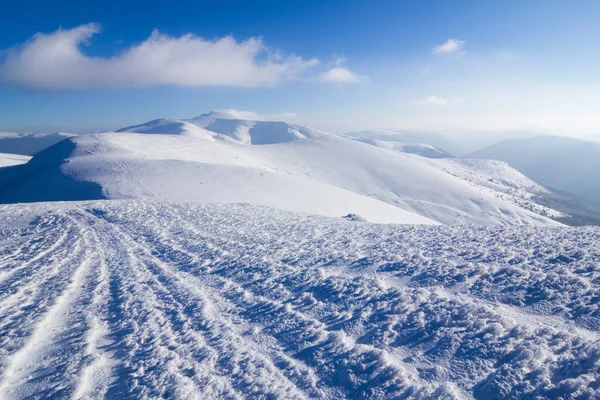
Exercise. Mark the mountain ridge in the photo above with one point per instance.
(309, 171)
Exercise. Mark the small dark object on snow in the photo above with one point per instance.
(354, 217)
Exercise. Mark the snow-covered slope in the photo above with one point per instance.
(419, 149)
(170, 127)
(29, 143)
(407, 181)
(311, 172)
(493, 177)
(131, 165)
(252, 132)
(7, 160)
(398, 179)
(148, 299)
(502, 181)
(566, 164)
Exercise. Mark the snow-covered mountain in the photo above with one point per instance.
(566, 164)
(133, 165)
(148, 299)
(227, 160)
(220, 125)
(29, 143)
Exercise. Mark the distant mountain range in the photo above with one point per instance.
(29, 143)
(565, 164)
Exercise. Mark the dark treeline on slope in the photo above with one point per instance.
(580, 211)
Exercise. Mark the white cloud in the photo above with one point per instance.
(55, 61)
(431, 101)
(337, 73)
(452, 46)
(340, 75)
(251, 115)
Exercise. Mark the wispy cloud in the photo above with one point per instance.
(452, 46)
(431, 101)
(253, 116)
(338, 73)
(56, 61)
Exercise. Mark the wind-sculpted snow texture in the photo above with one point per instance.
(138, 299)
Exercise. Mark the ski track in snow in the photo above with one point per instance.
(150, 299)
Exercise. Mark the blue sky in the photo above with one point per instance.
(334, 65)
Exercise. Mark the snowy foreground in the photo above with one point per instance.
(140, 299)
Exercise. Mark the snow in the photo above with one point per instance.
(171, 127)
(223, 126)
(127, 165)
(153, 299)
(252, 132)
(228, 160)
(325, 176)
(7, 160)
(406, 181)
(217, 257)
(500, 180)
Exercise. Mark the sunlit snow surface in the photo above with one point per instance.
(140, 299)
(7, 159)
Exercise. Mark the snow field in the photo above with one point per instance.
(138, 299)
